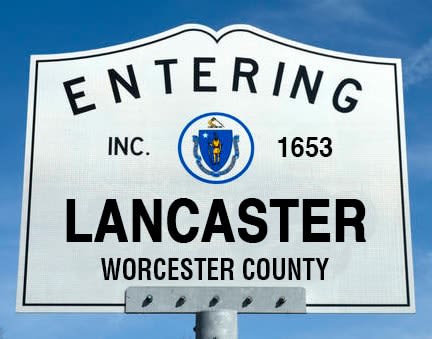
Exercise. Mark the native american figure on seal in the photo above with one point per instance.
(215, 145)
(216, 148)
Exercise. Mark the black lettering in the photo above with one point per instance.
(198, 74)
(200, 262)
(159, 275)
(112, 271)
(111, 210)
(246, 74)
(154, 227)
(172, 223)
(167, 75)
(309, 220)
(294, 268)
(263, 269)
(218, 209)
(71, 235)
(172, 268)
(126, 274)
(246, 274)
(352, 103)
(132, 146)
(73, 96)
(282, 262)
(187, 273)
(252, 220)
(123, 146)
(284, 205)
(212, 267)
(356, 221)
(110, 146)
(311, 92)
(144, 267)
(131, 86)
(227, 265)
(322, 266)
(278, 81)
(308, 267)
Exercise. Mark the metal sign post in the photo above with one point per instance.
(216, 308)
(216, 324)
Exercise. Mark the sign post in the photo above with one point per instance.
(215, 173)
(216, 308)
(216, 324)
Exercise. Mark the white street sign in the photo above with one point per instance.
(202, 158)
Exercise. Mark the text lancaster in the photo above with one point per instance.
(213, 268)
(242, 78)
(349, 213)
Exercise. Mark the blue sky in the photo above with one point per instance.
(385, 28)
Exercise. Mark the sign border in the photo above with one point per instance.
(214, 35)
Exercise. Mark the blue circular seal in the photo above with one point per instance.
(216, 148)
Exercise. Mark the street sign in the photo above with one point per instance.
(196, 158)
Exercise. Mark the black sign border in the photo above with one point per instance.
(24, 301)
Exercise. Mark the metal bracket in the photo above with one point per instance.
(199, 299)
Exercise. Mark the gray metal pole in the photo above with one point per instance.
(220, 324)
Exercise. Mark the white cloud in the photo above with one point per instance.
(419, 65)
